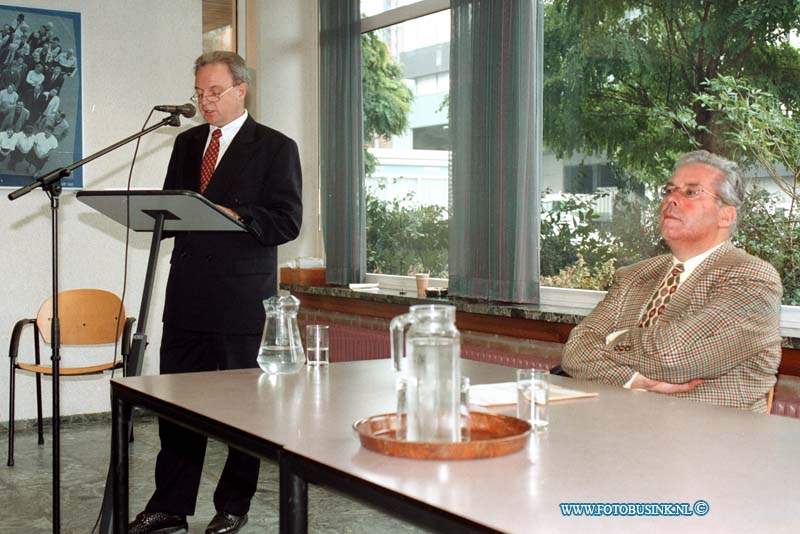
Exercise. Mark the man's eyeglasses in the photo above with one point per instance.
(691, 191)
(212, 98)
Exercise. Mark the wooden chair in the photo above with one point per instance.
(87, 317)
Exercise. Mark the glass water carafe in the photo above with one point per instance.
(429, 359)
(281, 349)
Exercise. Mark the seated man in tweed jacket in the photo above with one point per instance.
(700, 323)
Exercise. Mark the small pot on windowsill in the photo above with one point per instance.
(436, 292)
(422, 283)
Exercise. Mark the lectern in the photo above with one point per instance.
(158, 212)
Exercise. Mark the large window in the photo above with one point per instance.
(628, 86)
(405, 90)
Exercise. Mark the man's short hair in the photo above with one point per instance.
(234, 61)
(730, 187)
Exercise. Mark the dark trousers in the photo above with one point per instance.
(179, 464)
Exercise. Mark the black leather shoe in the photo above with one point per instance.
(224, 523)
(157, 523)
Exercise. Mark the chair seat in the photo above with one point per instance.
(87, 370)
(86, 317)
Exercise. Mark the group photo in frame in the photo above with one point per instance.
(40, 94)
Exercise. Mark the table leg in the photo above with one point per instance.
(293, 498)
(120, 423)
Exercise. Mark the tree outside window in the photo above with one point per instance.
(404, 81)
(634, 84)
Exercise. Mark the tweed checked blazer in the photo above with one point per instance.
(722, 325)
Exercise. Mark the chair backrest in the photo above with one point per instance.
(87, 317)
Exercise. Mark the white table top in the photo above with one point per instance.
(619, 447)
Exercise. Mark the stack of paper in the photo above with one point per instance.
(505, 393)
(364, 287)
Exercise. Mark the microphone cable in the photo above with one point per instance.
(124, 270)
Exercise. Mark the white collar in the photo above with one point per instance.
(692, 263)
(230, 130)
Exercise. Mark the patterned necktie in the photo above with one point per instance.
(209, 160)
(661, 297)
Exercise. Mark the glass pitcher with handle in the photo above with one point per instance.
(281, 348)
(426, 349)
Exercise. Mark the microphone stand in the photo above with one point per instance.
(51, 184)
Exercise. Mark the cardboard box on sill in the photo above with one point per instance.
(303, 277)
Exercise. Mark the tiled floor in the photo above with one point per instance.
(25, 489)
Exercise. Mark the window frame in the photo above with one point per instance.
(403, 14)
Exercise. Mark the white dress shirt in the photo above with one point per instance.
(229, 131)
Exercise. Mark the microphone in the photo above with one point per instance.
(187, 110)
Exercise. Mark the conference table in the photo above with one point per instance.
(659, 463)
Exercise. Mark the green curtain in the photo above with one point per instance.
(495, 120)
(341, 152)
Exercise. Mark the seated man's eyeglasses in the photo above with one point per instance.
(212, 98)
(691, 191)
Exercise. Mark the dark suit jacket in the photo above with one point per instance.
(218, 280)
(36, 105)
(50, 82)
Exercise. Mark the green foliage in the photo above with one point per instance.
(583, 276)
(634, 228)
(399, 239)
(386, 99)
(617, 72)
(760, 132)
(641, 82)
(767, 231)
(402, 238)
(568, 230)
(578, 251)
(757, 128)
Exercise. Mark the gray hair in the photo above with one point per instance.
(234, 61)
(730, 187)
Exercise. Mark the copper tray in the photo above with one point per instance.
(492, 435)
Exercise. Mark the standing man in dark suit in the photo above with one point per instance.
(213, 312)
(35, 102)
(53, 79)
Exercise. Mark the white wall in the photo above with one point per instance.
(134, 55)
(285, 59)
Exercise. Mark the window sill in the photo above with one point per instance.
(559, 307)
(581, 301)
(555, 314)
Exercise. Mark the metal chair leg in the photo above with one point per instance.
(39, 407)
(38, 385)
(11, 384)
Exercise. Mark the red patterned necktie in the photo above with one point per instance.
(661, 297)
(209, 160)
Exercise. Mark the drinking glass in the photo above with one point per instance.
(533, 386)
(317, 344)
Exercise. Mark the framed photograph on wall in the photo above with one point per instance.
(40, 94)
